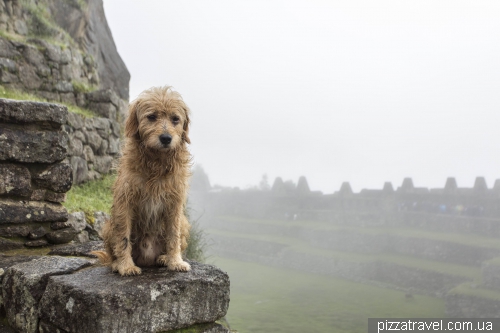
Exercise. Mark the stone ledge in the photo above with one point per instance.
(21, 112)
(12, 211)
(33, 146)
(97, 300)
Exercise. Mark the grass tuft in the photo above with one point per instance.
(92, 196)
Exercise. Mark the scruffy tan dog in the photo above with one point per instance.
(148, 226)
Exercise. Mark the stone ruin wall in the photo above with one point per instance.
(63, 61)
(35, 174)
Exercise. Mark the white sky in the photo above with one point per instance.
(358, 91)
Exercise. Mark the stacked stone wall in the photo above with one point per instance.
(35, 174)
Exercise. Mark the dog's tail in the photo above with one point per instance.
(104, 258)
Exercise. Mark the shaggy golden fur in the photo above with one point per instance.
(148, 226)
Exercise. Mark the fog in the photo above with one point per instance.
(356, 91)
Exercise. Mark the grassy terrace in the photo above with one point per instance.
(464, 239)
(23, 96)
(268, 299)
(299, 246)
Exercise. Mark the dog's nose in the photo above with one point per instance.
(165, 139)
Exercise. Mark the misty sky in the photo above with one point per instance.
(358, 91)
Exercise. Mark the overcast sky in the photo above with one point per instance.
(358, 91)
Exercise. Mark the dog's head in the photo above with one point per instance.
(158, 118)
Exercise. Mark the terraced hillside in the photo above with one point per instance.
(458, 269)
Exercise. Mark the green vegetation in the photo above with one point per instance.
(81, 87)
(24, 96)
(303, 247)
(91, 197)
(269, 299)
(471, 289)
(464, 239)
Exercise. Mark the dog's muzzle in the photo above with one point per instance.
(165, 139)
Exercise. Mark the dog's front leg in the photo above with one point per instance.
(121, 246)
(173, 257)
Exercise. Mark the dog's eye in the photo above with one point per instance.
(176, 119)
(151, 117)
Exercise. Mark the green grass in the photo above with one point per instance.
(464, 239)
(91, 196)
(268, 299)
(296, 245)
(471, 289)
(24, 96)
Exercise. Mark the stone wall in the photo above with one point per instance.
(35, 174)
(94, 143)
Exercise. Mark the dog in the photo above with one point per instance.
(148, 226)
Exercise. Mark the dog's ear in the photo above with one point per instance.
(132, 123)
(185, 126)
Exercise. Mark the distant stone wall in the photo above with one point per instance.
(94, 143)
(35, 174)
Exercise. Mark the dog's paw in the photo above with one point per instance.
(172, 264)
(125, 270)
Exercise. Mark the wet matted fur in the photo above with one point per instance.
(148, 226)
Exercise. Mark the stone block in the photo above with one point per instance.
(32, 146)
(38, 194)
(88, 154)
(8, 64)
(75, 147)
(56, 177)
(103, 127)
(68, 98)
(63, 86)
(115, 127)
(8, 77)
(103, 164)
(103, 149)
(77, 221)
(113, 146)
(76, 121)
(61, 236)
(80, 169)
(13, 211)
(94, 140)
(15, 231)
(74, 250)
(14, 180)
(97, 300)
(107, 110)
(8, 50)
(104, 96)
(24, 285)
(55, 197)
(37, 233)
(29, 77)
(7, 244)
(21, 112)
(82, 237)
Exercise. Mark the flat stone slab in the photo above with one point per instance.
(13, 211)
(32, 146)
(24, 284)
(78, 249)
(97, 300)
(21, 112)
